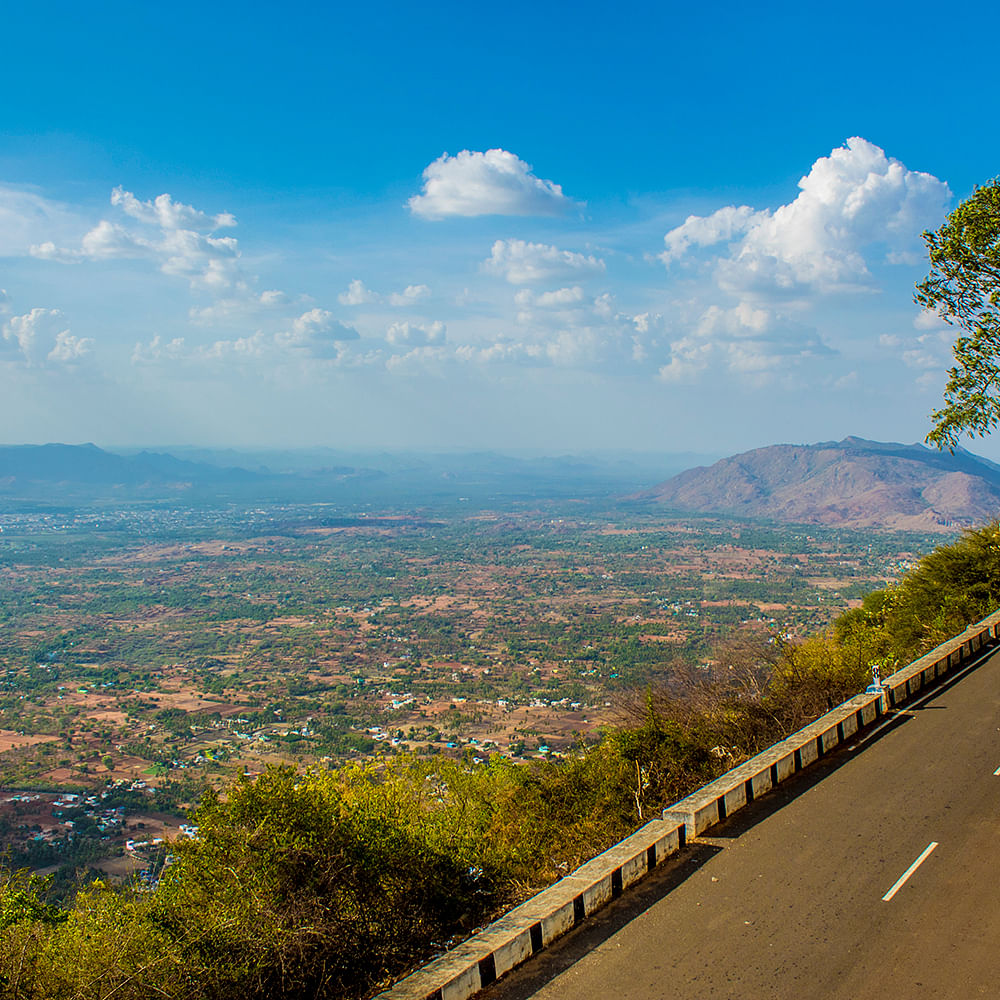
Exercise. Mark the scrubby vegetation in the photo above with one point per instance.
(331, 882)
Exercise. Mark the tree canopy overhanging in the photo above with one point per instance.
(963, 288)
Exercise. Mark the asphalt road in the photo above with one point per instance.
(786, 899)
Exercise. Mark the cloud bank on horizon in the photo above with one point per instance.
(524, 291)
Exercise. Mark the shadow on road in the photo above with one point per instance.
(526, 980)
(569, 949)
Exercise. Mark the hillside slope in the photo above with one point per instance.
(853, 483)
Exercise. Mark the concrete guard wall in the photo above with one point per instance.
(536, 923)
(533, 925)
(719, 799)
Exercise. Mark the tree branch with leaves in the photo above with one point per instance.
(963, 288)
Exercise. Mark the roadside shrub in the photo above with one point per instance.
(294, 877)
(103, 945)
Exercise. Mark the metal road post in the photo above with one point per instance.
(876, 686)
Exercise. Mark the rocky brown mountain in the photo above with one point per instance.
(853, 483)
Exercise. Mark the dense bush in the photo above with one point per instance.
(332, 882)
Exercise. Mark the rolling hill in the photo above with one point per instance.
(852, 483)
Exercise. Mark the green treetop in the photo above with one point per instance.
(963, 288)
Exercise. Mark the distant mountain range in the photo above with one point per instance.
(90, 465)
(60, 473)
(850, 483)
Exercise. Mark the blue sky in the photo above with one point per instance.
(535, 227)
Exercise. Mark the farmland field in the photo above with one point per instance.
(147, 653)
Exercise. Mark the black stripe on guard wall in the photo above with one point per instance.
(749, 790)
(798, 760)
(722, 808)
(578, 911)
(840, 732)
(437, 995)
(487, 970)
(682, 835)
(536, 938)
(774, 775)
(650, 857)
(616, 883)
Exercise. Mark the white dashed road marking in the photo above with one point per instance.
(909, 871)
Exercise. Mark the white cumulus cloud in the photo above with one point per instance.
(210, 263)
(745, 340)
(316, 334)
(492, 183)
(68, 348)
(357, 294)
(41, 335)
(853, 203)
(21, 331)
(166, 213)
(689, 356)
(415, 335)
(156, 351)
(412, 293)
(707, 230)
(561, 298)
(523, 263)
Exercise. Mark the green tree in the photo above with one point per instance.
(963, 288)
